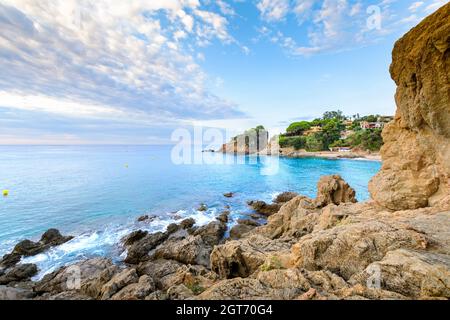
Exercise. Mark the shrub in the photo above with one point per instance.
(314, 143)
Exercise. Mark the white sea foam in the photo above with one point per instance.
(106, 243)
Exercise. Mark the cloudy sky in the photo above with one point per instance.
(113, 71)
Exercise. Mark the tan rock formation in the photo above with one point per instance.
(416, 154)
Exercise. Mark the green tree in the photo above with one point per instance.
(298, 128)
(338, 115)
(331, 132)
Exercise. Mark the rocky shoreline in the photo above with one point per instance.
(395, 246)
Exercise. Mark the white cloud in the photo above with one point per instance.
(108, 53)
(273, 10)
(436, 4)
(416, 5)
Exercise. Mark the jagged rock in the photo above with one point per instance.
(27, 248)
(264, 208)
(223, 217)
(349, 249)
(53, 237)
(179, 292)
(194, 248)
(248, 222)
(187, 223)
(270, 285)
(157, 295)
(242, 258)
(146, 218)
(161, 271)
(416, 153)
(334, 190)
(139, 251)
(21, 272)
(136, 291)
(86, 277)
(239, 230)
(190, 250)
(285, 197)
(9, 293)
(416, 274)
(66, 295)
(202, 207)
(296, 218)
(118, 282)
(134, 237)
(212, 233)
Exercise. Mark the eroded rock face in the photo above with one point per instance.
(242, 258)
(411, 273)
(334, 190)
(93, 274)
(416, 154)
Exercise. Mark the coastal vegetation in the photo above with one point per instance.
(335, 130)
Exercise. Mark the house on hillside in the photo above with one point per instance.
(365, 125)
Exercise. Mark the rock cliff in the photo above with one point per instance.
(416, 154)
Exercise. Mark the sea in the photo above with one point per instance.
(96, 193)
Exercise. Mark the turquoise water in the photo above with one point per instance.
(97, 192)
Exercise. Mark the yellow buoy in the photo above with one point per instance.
(5, 193)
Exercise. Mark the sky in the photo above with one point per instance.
(131, 72)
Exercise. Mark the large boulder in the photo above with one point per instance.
(416, 274)
(244, 257)
(334, 190)
(118, 282)
(416, 153)
(191, 246)
(136, 291)
(349, 249)
(86, 277)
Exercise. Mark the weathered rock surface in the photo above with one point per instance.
(118, 282)
(416, 154)
(415, 274)
(86, 277)
(10, 293)
(334, 190)
(239, 230)
(242, 258)
(266, 209)
(21, 272)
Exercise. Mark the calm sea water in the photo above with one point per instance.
(96, 192)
